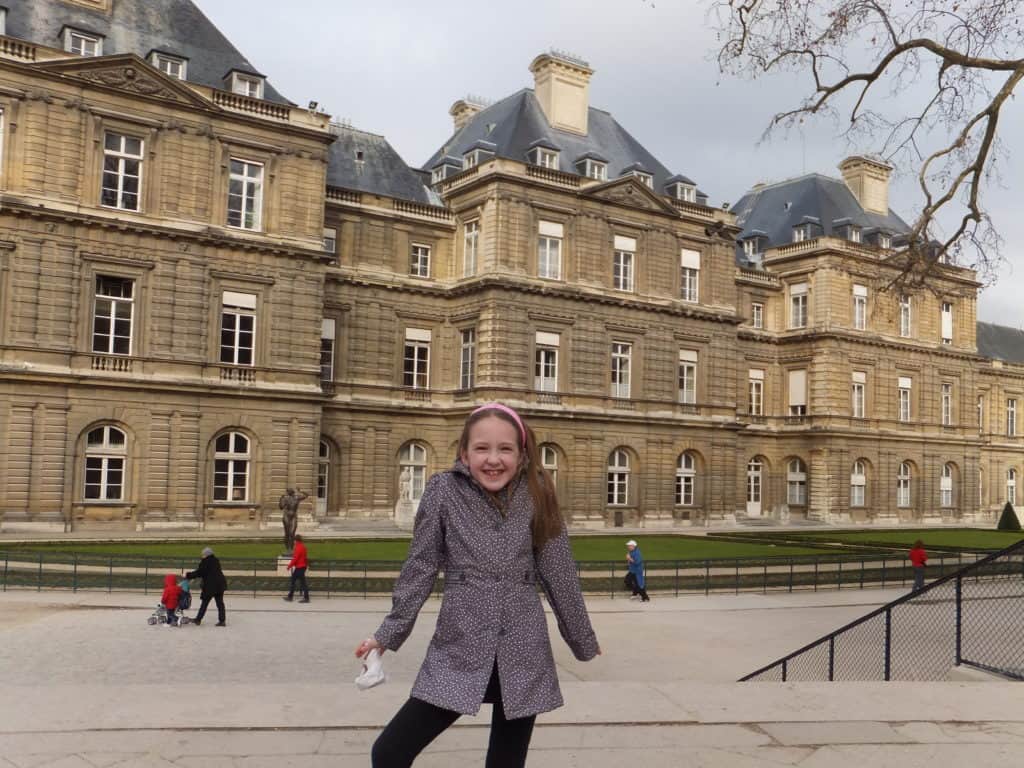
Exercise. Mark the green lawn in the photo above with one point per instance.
(946, 538)
(585, 548)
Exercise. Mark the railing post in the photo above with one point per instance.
(831, 658)
(254, 574)
(791, 575)
(707, 578)
(815, 573)
(883, 572)
(145, 575)
(39, 577)
(110, 574)
(364, 581)
(611, 582)
(959, 619)
(862, 573)
(839, 574)
(7, 559)
(764, 580)
(888, 643)
(785, 670)
(329, 564)
(74, 575)
(677, 578)
(737, 585)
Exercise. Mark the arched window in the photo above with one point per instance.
(1011, 486)
(549, 460)
(618, 478)
(858, 484)
(903, 485)
(946, 486)
(105, 459)
(412, 463)
(686, 480)
(796, 480)
(323, 476)
(231, 462)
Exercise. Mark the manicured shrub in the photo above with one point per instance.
(1008, 520)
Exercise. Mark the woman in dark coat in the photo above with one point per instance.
(214, 585)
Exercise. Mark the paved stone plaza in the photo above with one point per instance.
(87, 683)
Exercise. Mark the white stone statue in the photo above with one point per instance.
(405, 485)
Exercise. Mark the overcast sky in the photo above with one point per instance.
(394, 67)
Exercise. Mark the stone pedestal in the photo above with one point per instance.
(405, 514)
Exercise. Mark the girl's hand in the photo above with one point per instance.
(366, 646)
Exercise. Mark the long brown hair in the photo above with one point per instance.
(547, 519)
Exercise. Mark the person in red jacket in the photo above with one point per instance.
(918, 558)
(298, 565)
(169, 598)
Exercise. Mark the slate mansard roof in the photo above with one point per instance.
(1000, 342)
(517, 123)
(366, 162)
(772, 211)
(175, 27)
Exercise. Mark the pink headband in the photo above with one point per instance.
(509, 411)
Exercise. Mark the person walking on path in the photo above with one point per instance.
(298, 565)
(918, 558)
(170, 597)
(214, 586)
(492, 524)
(635, 562)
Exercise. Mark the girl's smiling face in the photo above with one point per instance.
(492, 452)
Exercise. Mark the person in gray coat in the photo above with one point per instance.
(492, 524)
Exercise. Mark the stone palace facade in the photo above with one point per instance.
(209, 294)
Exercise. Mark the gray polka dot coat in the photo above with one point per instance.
(491, 609)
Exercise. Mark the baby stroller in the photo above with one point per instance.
(178, 617)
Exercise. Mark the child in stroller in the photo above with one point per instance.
(174, 601)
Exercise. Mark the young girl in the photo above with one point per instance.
(492, 524)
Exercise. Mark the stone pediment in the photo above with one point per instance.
(129, 73)
(632, 192)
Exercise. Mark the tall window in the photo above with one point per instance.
(755, 392)
(796, 483)
(798, 392)
(471, 241)
(946, 323)
(545, 362)
(105, 457)
(903, 477)
(245, 194)
(323, 476)
(622, 263)
(687, 376)
(1011, 417)
(412, 465)
(622, 355)
(946, 486)
(113, 315)
(330, 240)
(237, 328)
(857, 394)
(549, 250)
(416, 359)
(231, 460)
(755, 469)
(947, 404)
(618, 478)
(686, 480)
(904, 389)
(858, 484)
(689, 275)
(860, 307)
(757, 315)
(1011, 486)
(905, 316)
(327, 331)
(419, 260)
(467, 359)
(122, 171)
(981, 414)
(549, 460)
(798, 305)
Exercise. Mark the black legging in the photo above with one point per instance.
(419, 723)
(218, 597)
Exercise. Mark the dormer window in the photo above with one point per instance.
(172, 66)
(645, 178)
(801, 232)
(750, 248)
(596, 170)
(470, 159)
(446, 166)
(82, 43)
(480, 152)
(3, 21)
(885, 240)
(437, 174)
(683, 189)
(247, 85)
(547, 158)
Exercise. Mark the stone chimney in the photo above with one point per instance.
(463, 110)
(868, 179)
(562, 85)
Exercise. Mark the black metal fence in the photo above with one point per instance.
(971, 617)
(36, 570)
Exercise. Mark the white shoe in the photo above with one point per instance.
(373, 671)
